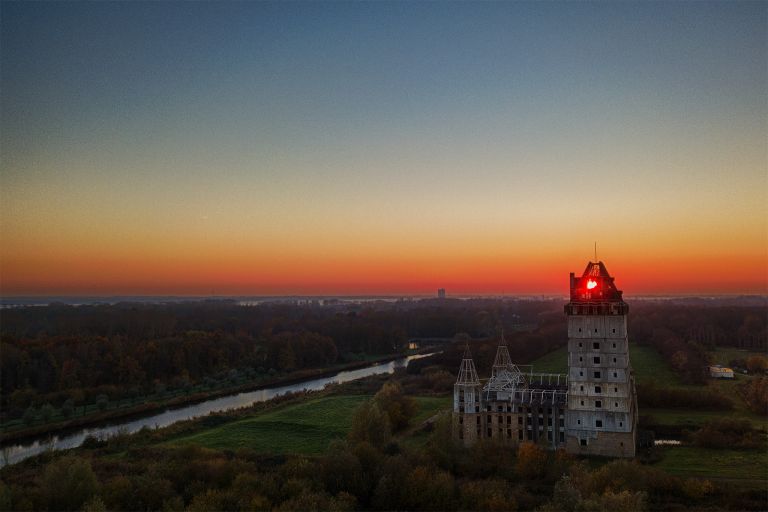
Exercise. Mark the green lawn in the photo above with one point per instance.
(554, 362)
(306, 427)
(710, 463)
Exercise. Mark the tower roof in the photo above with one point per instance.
(594, 285)
(502, 361)
(467, 371)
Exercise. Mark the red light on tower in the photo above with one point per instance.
(591, 284)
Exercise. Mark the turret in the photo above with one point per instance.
(467, 401)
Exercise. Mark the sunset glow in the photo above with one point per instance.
(381, 148)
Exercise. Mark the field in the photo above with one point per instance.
(307, 427)
(710, 463)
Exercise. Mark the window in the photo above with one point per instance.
(581, 374)
(599, 423)
(621, 423)
(578, 422)
(541, 421)
(614, 345)
(562, 422)
(581, 359)
(529, 435)
(596, 346)
(595, 330)
(509, 420)
(616, 404)
(488, 408)
(490, 433)
(597, 375)
(549, 422)
(583, 442)
(549, 410)
(461, 408)
(478, 420)
(598, 389)
(615, 374)
(596, 360)
(549, 436)
(520, 435)
(562, 437)
(500, 408)
(614, 359)
(579, 342)
(581, 388)
(489, 419)
(582, 402)
(509, 432)
(598, 404)
(615, 390)
(579, 331)
(477, 408)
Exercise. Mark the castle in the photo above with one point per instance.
(592, 410)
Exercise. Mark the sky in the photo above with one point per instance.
(257, 148)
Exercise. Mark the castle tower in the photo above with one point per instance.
(602, 413)
(467, 401)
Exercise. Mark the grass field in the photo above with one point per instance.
(307, 427)
(710, 463)
(725, 355)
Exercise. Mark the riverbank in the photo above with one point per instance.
(149, 408)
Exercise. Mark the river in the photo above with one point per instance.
(18, 452)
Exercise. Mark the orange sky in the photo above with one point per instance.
(382, 148)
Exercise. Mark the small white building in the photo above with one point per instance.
(720, 372)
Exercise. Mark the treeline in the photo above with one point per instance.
(369, 470)
(70, 355)
(684, 334)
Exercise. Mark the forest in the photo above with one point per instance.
(60, 357)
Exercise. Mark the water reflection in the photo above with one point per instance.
(16, 453)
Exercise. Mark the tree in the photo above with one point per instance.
(757, 364)
(102, 401)
(399, 407)
(68, 408)
(531, 461)
(67, 483)
(30, 415)
(46, 412)
(370, 424)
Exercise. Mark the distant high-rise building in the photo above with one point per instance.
(441, 293)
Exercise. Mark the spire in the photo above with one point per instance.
(467, 372)
(502, 361)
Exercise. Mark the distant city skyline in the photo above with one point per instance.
(382, 148)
